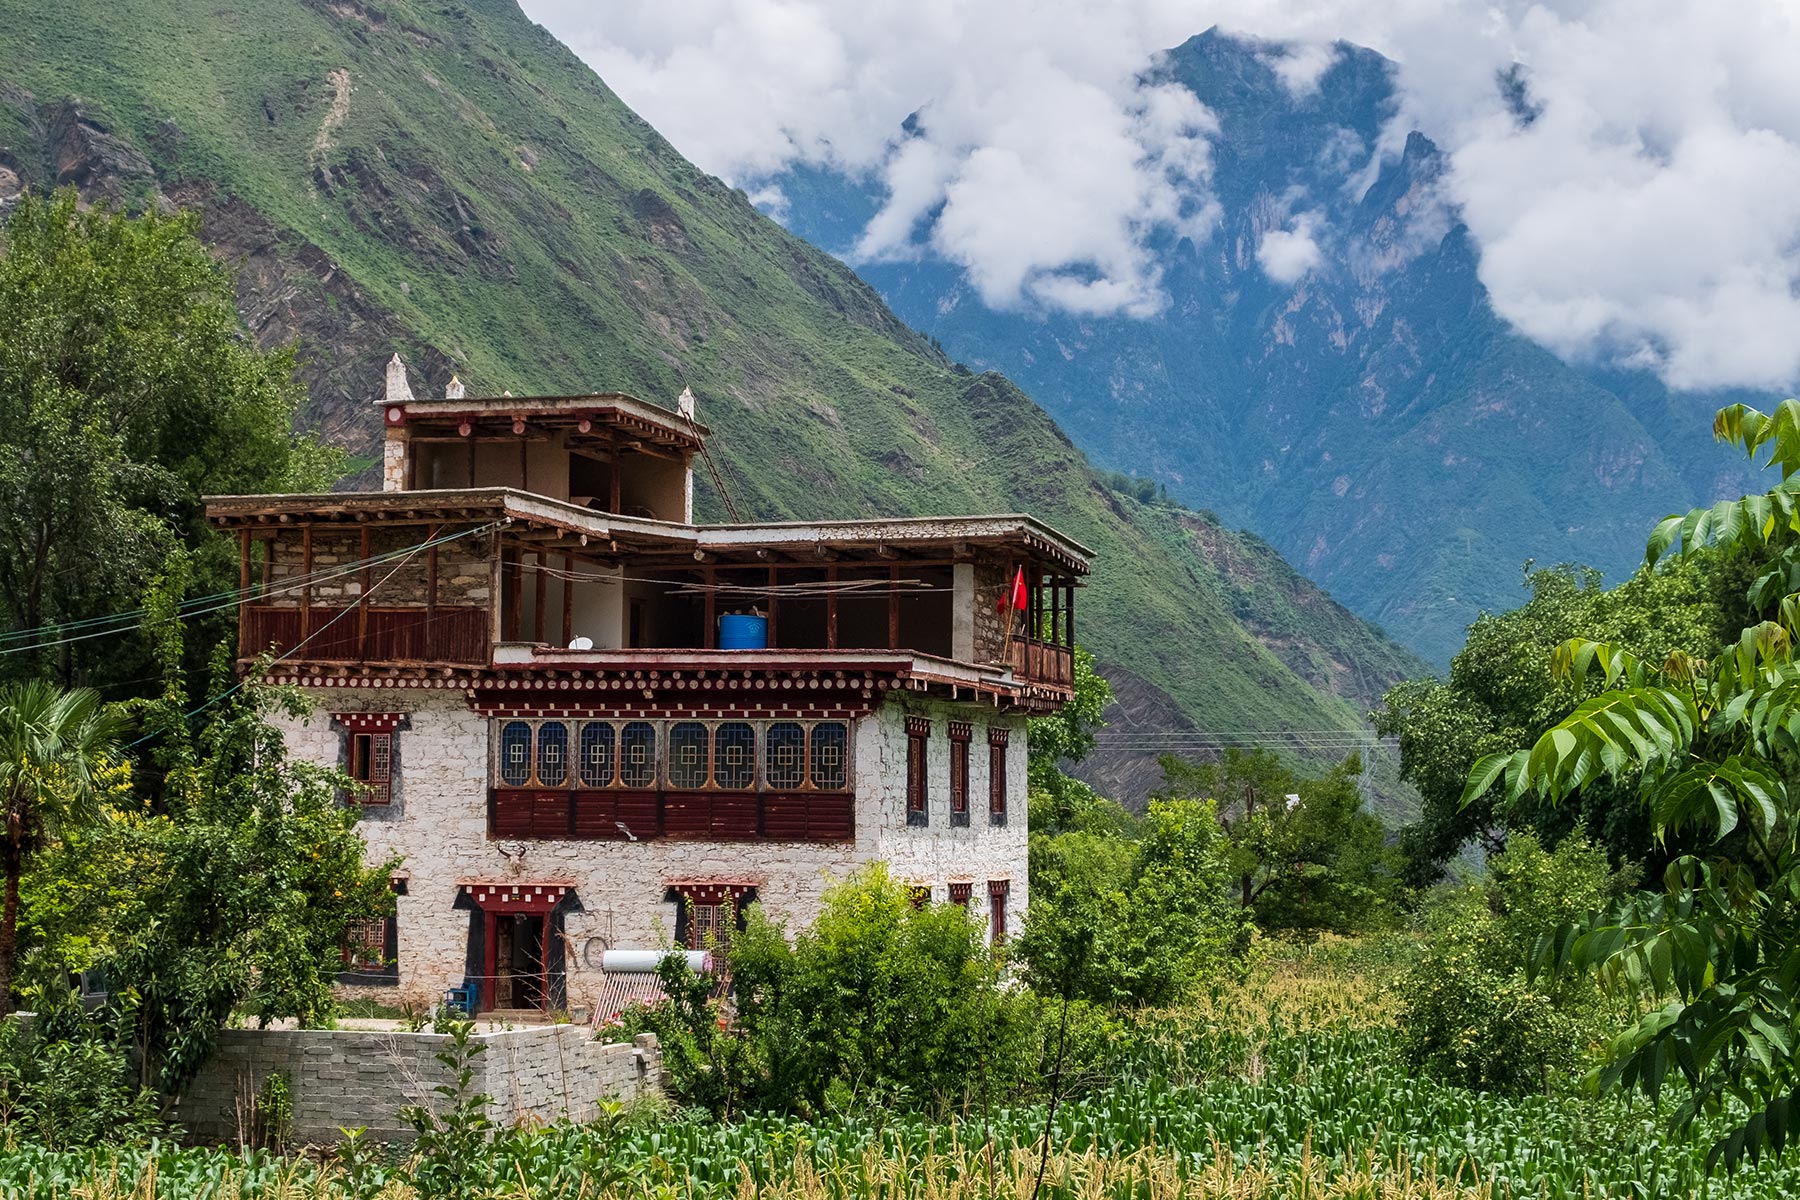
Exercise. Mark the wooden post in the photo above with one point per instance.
(771, 607)
(1056, 613)
(1071, 614)
(613, 488)
(362, 600)
(471, 459)
(894, 607)
(243, 599)
(268, 568)
(544, 965)
(306, 584)
(524, 465)
(432, 636)
(831, 607)
(710, 640)
(509, 599)
(568, 630)
(538, 597)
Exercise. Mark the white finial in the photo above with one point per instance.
(455, 390)
(684, 403)
(506, 393)
(399, 391)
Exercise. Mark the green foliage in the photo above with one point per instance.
(64, 1083)
(1137, 922)
(1470, 1013)
(222, 882)
(1709, 746)
(54, 747)
(879, 1004)
(127, 390)
(454, 1162)
(1305, 854)
(1503, 690)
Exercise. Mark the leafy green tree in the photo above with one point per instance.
(1502, 691)
(128, 389)
(54, 748)
(1711, 748)
(1470, 1013)
(223, 881)
(1305, 855)
(1138, 921)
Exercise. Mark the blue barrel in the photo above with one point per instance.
(737, 632)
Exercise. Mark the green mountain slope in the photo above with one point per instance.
(446, 180)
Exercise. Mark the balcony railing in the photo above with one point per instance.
(581, 814)
(368, 635)
(1043, 662)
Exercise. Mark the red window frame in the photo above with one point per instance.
(959, 893)
(371, 763)
(997, 892)
(960, 734)
(365, 944)
(997, 739)
(918, 793)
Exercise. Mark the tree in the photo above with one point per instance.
(54, 747)
(1710, 748)
(1304, 853)
(1502, 692)
(1057, 801)
(128, 389)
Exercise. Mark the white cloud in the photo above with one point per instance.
(1649, 213)
(1287, 255)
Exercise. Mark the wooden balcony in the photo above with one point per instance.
(607, 814)
(367, 634)
(1047, 663)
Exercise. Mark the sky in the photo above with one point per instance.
(1635, 192)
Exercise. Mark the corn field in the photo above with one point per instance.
(1279, 1088)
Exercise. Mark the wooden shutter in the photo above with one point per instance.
(997, 739)
(918, 796)
(959, 772)
(997, 891)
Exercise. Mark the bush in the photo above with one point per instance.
(1470, 1014)
(878, 1004)
(64, 1084)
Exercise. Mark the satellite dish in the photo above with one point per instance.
(582, 643)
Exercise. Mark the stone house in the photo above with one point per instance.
(584, 722)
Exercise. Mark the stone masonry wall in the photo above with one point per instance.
(437, 824)
(346, 1079)
(464, 566)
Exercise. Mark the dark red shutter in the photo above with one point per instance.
(997, 739)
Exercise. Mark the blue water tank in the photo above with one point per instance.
(738, 632)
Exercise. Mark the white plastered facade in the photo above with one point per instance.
(437, 826)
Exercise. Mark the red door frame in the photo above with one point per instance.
(509, 898)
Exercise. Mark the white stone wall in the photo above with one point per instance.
(437, 824)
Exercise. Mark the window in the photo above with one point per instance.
(515, 754)
(830, 757)
(637, 755)
(711, 925)
(997, 890)
(959, 893)
(917, 794)
(372, 765)
(959, 772)
(366, 945)
(596, 754)
(687, 755)
(920, 895)
(734, 755)
(553, 754)
(786, 741)
(997, 739)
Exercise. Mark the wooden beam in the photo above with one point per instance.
(710, 641)
(538, 596)
(568, 629)
(362, 599)
(306, 570)
(831, 608)
(243, 600)
(772, 642)
(893, 608)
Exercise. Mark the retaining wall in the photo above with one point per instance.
(345, 1079)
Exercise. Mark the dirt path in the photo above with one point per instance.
(334, 117)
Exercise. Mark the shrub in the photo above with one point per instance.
(65, 1084)
(1470, 1015)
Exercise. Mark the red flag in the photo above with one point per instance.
(1015, 598)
